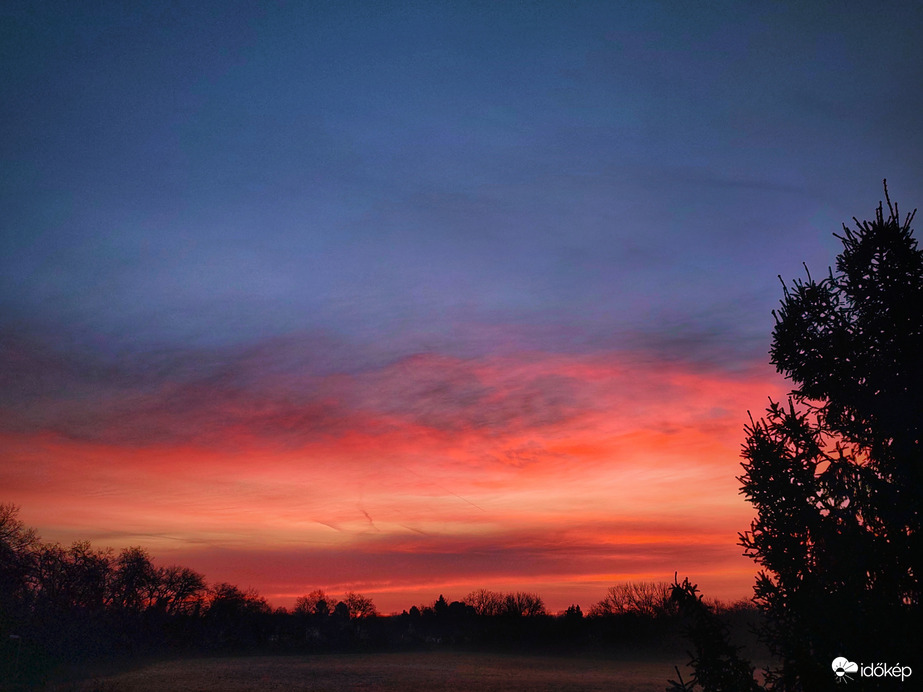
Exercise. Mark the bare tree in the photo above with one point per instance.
(315, 603)
(359, 606)
(18, 545)
(485, 602)
(647, 598)
(179, 590)
(524, 604)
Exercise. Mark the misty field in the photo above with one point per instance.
(404, 672)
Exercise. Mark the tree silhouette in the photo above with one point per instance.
(18, 546)
(134, 580)
(835, 473)
(316, 603)
(359, 606)
(180, 590)
(234, 617)
(524, 604)
(645, 598)
(717, 664)
(485, 602)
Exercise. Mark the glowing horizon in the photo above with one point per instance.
(429, 474)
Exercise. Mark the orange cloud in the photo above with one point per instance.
(424, 474)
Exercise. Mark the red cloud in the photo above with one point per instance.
(426, 472)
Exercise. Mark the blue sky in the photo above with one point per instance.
(587, 172)
(232, 200)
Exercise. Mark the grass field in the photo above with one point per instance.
(387, 672)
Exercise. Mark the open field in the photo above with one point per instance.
(397, 672)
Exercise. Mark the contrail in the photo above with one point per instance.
(442, 488)
(367, 516)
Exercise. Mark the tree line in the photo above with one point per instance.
(65, 607)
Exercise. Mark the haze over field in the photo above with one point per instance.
(416, 298)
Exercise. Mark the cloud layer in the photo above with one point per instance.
(422, 473)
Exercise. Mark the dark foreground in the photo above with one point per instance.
(386, 672)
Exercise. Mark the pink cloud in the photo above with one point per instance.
(424, 473)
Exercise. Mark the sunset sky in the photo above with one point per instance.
(419, 298)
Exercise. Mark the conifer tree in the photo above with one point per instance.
(834, 473)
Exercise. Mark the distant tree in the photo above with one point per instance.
(18, 546)
(341, 611)
(235, 618)
(179, 590)
(460, 609)
(135, 580)
(836, 474)
(485, 602)
(15, 537)
(647, 598)
(359, 606)
(316, 603)
(441, 606)
(573, 612)
(229, 600)
(90, 576)
(53, 581)
(524, 604)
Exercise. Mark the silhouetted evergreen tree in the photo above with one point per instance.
(717, 664)
(835, 474)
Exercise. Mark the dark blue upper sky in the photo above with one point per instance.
(459, 177)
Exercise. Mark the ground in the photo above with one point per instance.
(387, 672)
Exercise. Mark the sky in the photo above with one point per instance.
(415, 298)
